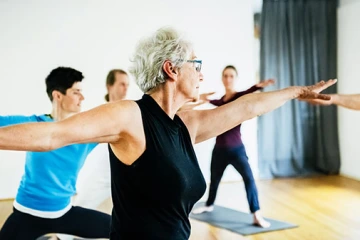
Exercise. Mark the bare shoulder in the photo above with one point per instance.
(186, 116)
(125, 112)
(122, 106)
(189, 117)
(113, 118)
(200, 123)
(122, 118)
(131, 142)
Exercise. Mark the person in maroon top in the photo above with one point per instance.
(229, 149)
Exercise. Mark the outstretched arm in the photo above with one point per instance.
(102, 124)
(265, 83)
(206, 124)
(252, 89)
(256, 87)
(350, 101)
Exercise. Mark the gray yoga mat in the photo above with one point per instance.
(47, 238)
(238, 222)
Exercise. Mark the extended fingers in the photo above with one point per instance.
(322, 85)
(322, 96)
(271, 81)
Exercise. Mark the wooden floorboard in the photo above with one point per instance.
(326, 207)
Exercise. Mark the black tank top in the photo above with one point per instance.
(153, 197)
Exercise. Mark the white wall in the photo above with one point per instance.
(257, 5)
(348, 75)
(347, 2)
(95, 36)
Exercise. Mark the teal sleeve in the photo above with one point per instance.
(16, 119)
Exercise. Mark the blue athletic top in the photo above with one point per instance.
(50, 177)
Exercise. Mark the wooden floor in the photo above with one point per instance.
(323, 207)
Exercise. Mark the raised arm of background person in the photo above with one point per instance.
(252, 89)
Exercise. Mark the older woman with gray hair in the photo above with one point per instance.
(156, 178)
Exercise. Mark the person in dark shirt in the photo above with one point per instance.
(230, 150)
(155, 176)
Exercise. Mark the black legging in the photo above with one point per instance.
(77, 221)
(236, 156)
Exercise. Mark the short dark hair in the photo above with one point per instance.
(110, 79)
(61, 79)
(230, 67)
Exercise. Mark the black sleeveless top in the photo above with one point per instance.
(153, 197)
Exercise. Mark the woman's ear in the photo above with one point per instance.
(170, 70)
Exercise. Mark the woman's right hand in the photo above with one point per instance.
(307, 93)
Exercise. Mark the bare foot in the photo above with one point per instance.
(203, 209)
(260, 221)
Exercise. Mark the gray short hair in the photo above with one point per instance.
(153, 51)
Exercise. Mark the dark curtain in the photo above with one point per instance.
(298, 47)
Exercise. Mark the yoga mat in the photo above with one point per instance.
(236, 221)
(47, 238)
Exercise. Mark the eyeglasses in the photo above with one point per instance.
(197, 64)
